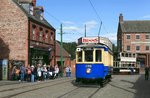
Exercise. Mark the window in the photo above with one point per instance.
(147, 48)
(137, 36)
(33, 34)
(98, 55)
(146, 36)
(40, 35)
(128, 48)
(51, 36)
(79, 56)
(137, 48)
(88, 55)
(128, 36)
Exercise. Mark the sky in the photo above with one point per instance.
(74, 14)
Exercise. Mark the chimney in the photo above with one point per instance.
(34, 2)
(38, 12)
(121, 18)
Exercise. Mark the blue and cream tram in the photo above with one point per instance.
(94, 59)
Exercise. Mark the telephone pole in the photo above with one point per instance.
(61, 48)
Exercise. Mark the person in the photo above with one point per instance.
(67, 71)
(56, 71)
(28, 73)
(146, 73)
(44, 72)
(13, 73)
(69, 74)
(132, 69)
(32, 74)
(39, 72)
(22, 72)
(51, 72)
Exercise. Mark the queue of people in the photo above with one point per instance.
(34, 73)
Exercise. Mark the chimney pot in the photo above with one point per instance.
(121, 18)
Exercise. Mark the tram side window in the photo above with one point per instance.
(98, 55)
(80, 56)
(88, 55)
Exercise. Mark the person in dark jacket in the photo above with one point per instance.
(146, 73)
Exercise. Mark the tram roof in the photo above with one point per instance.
(93, 45)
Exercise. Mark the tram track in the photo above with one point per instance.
(37, 88)
(25, 86)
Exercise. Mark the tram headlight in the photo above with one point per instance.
(88, 70)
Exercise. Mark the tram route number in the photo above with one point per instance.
(88, 66)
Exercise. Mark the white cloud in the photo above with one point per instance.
(146, 16)
(112, 37)
(71, 28)
(90, 24)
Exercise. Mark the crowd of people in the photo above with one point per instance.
(37, 73)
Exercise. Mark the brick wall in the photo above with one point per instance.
(13, 31)
(133, 42)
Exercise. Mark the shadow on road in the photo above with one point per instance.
(142, 87)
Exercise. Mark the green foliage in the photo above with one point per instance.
(70, 48)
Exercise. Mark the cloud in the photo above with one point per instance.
(146, 16)
(112, 37)
(71, 28)
(90, 24)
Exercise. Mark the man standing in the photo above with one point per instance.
(22, 72)
(146, 73)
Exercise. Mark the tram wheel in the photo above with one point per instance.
(77, 80)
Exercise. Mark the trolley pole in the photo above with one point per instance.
(61, 46)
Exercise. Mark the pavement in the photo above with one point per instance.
(7, 82)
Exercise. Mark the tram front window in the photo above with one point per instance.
(98, 55)
(80, 56)
(88, 55)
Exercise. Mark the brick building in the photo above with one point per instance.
(26, 36)
(66, 56)
(134, 36)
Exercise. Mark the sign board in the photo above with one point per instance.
(95, 40)
(90, 40)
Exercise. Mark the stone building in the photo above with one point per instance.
(134, 36)
(26, 36)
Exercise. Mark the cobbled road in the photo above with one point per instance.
(121, 86)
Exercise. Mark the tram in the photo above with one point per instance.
(94, 59)
(126, 64)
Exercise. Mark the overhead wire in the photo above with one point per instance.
(98, 17)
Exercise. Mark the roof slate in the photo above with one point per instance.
(64, 52)
(135, 26)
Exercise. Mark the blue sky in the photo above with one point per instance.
(74, 14)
